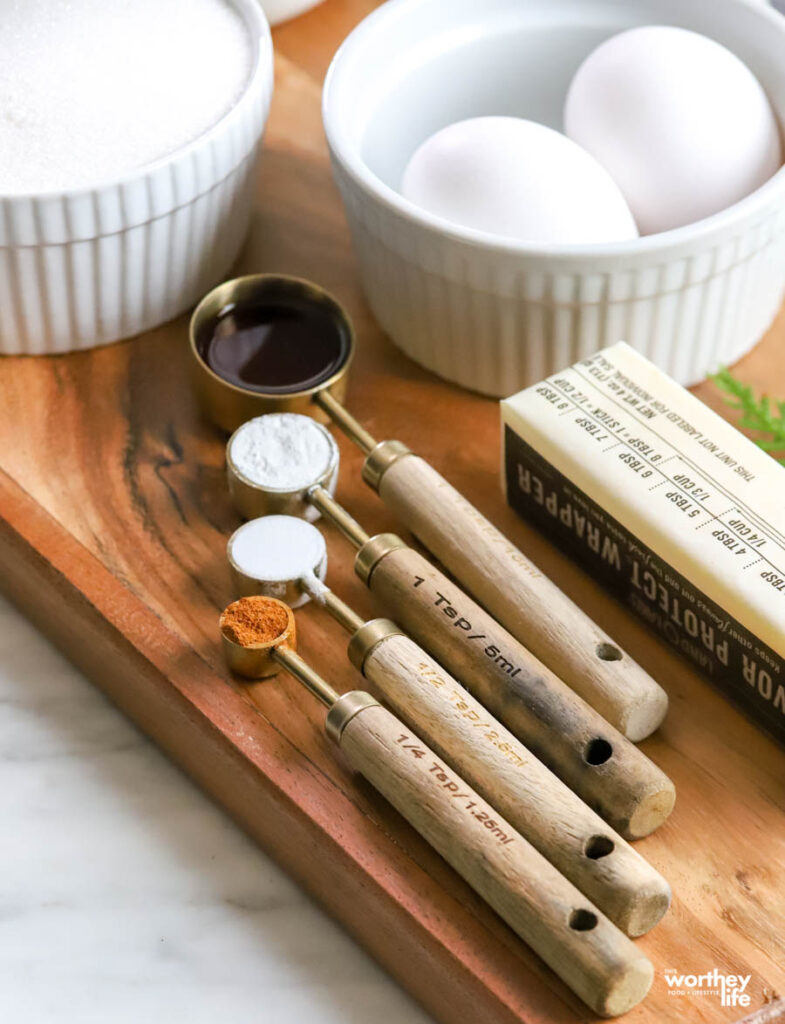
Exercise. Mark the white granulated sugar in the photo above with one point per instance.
(282, 451)
(278, 550)
(92, 89)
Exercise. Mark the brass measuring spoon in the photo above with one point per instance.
(585, 949)
(270, 343)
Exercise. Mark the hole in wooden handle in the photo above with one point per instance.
(598, 846)
(608, 652)
(597, 751)
(583, 920)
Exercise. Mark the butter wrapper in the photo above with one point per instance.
(668, 506)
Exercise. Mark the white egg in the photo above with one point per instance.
(515, 178)
(681, 124)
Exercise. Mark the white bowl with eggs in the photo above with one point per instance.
(495, 313)
(114, 218)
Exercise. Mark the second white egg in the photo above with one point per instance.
(679, 121)
(518, 179)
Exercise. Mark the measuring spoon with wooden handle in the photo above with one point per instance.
(458, 728)
(585, 949)
(507, 583)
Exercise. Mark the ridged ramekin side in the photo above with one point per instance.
(76, 295)
(495, 323)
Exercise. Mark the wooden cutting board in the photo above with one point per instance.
(113, 521)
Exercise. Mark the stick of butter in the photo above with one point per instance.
(668, 506)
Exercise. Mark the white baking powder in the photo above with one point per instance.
(278, 550)
(283, 451)
(91, 89)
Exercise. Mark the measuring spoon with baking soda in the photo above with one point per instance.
(584, 948)
(597, 762)
(286, 557)
(269, 343)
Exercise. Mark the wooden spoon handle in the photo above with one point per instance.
(598, 962)
(603, 767)
(515, 591)
(535, 802)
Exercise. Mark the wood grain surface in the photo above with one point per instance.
(113, 520)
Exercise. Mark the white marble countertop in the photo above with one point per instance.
(128, 897)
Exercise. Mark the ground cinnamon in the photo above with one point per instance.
(254, 620)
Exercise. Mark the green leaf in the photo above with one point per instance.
(758, 414)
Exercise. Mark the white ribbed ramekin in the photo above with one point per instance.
(495, 315)
(94, 265)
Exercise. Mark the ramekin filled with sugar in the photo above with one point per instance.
(130, 134)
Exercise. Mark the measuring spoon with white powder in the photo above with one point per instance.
(281, 555)
(275, 453)
(604, 768)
